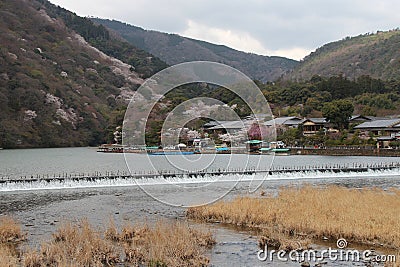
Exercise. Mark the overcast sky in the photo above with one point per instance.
(289, 28)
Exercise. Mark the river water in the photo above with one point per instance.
(41, 207)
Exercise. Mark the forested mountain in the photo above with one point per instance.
(174, 49)
(376, 55)
(63, 79)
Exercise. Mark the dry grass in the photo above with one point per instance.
(369, 216)
(10, 231)
(11, 236)
(75, 245)
(165, 244)
(31, 258)
(8, 256)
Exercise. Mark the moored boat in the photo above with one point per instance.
(172, 153)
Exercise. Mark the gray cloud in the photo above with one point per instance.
(282, 25)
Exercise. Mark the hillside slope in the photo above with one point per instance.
(175, 49)
(376, 55)
(56, 87)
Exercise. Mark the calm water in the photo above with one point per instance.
(26, 162)
(42, 208)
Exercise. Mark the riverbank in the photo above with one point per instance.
(346, 151)
(363, 216)
(165, 244)
(326, 151)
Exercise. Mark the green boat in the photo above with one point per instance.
(268, 150)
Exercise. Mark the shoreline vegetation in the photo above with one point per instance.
(294, 217)
(81, 244)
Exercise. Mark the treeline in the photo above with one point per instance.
(370, 96)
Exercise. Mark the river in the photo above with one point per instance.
(42, 207)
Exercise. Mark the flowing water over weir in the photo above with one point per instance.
(121, 179)
(112, 180)
(273, 171)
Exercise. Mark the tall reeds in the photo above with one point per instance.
(81, 244)
(369, 216)
(11, 236)
(10, 231)
(164, 245)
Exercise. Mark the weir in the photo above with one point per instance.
(337, 168)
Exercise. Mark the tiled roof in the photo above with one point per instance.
(317, 120)
(379, 124)
(284, 121)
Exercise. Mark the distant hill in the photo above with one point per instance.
(174, 49)
(64, 81)
(376, 55)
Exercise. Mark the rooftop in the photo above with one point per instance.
(317, 120)
(388, 123)
(284, 121)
